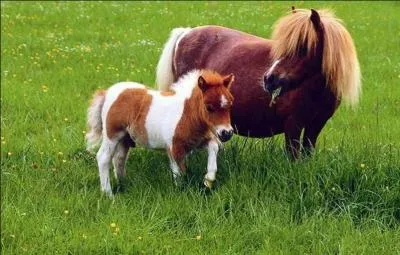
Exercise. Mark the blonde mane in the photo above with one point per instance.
(339, 61)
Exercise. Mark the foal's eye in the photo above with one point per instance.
(210, 107)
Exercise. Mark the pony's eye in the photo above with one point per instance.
(210, 107)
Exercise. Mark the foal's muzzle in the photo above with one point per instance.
(224, 135)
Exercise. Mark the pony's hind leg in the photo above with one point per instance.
(104, 156)
(120, 157)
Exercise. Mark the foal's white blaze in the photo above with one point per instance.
(166, 111)
(224, 101)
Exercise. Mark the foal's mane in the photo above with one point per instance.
(187, 82)
(339, 61)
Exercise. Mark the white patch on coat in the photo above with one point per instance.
(166, 111)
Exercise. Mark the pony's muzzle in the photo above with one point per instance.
(225, 134)
(274, 85)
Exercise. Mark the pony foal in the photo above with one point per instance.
(194, 113)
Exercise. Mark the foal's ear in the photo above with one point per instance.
(228, 80)
(315, 19)
(202, 83)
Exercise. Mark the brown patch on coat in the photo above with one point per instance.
(128, 113)
(193, 127)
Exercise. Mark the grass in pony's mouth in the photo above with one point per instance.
(274, 95)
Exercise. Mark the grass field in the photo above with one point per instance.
(344, 200)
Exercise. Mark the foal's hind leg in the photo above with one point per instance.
(104, 155)
(120, 156)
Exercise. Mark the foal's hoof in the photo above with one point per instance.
(110, 195)
(208, 183)
(179, 181)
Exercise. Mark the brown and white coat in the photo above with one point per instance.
(194, 113)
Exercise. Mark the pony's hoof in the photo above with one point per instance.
(178, 181)
(208, 183)
(109, 194)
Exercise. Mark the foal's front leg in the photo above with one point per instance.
(209, 178)
(176, 156)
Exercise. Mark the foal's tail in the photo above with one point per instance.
(94, 121)
(165, 75)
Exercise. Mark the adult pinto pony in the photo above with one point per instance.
(310, 65)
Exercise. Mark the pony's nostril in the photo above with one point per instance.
(269, 81)
(270, 78)
(225, 135)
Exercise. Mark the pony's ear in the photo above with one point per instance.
(202, 83)
(293, 9)
(315, 19)
(228, 80)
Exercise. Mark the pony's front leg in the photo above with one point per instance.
(292, 137)
(314, 128)
(209, 178)
(176, 156)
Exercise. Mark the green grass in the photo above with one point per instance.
(53, 57)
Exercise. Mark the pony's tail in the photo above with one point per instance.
(165, 75)
(94, 121)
